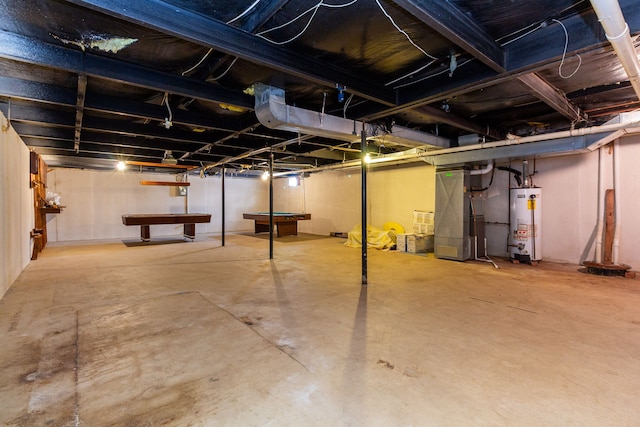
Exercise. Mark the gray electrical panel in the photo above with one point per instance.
(452, 239)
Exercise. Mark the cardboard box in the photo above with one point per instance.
(423, 222)
(423, 217)
(419, 243)
(423, 229)
(401, 242)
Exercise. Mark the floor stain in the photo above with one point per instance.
(246, 320)
(385, 364)
(14, 320)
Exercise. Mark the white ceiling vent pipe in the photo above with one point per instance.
(274, 113)
(617, 31)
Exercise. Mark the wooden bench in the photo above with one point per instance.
(146, 220)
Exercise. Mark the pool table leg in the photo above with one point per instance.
(145, 234)
(190, 231)
(288, 228)
(261, 227)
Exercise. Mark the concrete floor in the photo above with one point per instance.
(193, 334)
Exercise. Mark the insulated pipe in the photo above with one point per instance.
(616, 209)
(617, 32)
(600, 223)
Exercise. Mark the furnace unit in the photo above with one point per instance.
(452, 240)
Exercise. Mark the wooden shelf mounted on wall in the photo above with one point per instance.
(166, 183)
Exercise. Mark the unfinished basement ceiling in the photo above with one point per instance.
(87, 83)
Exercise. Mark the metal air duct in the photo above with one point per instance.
(274, 113)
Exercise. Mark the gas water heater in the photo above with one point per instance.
(525, 218)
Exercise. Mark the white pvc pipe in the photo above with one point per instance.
(616, 209)
(600, 227)
(617, 32)
(482, 171)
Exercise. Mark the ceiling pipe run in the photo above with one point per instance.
(617, 32)
(629, 126)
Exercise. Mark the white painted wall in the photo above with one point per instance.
(96, 200)
(569, 208)
(333, 198)
(16, 207)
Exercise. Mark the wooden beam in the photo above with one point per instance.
(551, 96)
(610, 223)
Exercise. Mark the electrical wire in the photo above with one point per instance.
(540, 25)
(165, 101)
(411, 73)
(206, 55)
(244, 13)
(446, 70)
(314, 9)
(403, 32)
(346, 105)
(564, 53)
(224, 72)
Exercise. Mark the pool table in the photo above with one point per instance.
(286, 222)
(145, 220)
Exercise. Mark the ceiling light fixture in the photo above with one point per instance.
(121, 166)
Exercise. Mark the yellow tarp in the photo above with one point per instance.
(376, 238)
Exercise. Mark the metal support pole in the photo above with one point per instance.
(363, 143)
(223, 208)
(271, 204)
